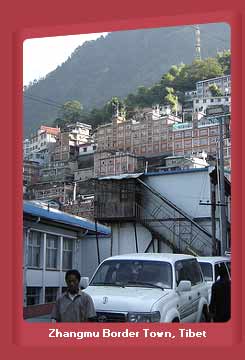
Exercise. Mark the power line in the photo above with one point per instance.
(46, 102)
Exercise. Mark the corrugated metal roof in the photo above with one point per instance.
(42, 211)
(121, 177)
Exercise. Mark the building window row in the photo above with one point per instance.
(34, 295)
(35, 257)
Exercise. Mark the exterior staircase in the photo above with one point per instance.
(170, 224)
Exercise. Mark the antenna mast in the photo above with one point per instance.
(198, 42)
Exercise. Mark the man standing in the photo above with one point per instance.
(220, 305)
(74, 305)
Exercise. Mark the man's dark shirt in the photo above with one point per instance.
(220, 305)
(80, 309)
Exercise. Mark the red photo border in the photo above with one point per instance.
(22, 20)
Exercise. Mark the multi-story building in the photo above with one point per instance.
(114, 163)
(83, 174)
(68, 142)
(26, 148)
(222, 82)
(201, 104)
(31, 172)
(199, 136)
(58, 170)
(61, 191)
(40, 141)
(145, 136)
(164, 135)
(87, 148)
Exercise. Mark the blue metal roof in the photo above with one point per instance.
(42, 211)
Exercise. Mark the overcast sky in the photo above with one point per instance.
(40, 56)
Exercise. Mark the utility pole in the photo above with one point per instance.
(213, 211)
(218, 112)
(222, 188)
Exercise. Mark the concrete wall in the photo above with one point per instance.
(185, 190)
(89, 255)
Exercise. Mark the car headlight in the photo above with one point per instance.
(144, 317)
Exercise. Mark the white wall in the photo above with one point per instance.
(185, 190)
(88, 253)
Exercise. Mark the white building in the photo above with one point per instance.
(222, 82)
(161, 212)
(55, 242)
(79, 132)
(159, 111)
(26, 148)
(41, 142)
(87, 148)
(201, 104)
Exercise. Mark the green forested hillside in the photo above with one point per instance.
(116, 66)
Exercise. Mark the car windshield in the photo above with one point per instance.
(207, 271)
(134, 273)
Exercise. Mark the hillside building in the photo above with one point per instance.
(222, 82)
(69, 140)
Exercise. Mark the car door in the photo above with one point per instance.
(185, 299)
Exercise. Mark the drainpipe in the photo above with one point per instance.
(26, 244)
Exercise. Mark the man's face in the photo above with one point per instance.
(72, 284)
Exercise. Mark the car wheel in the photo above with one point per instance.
(175, 320)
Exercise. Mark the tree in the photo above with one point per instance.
(224, 59)
(71, 111)
(114, 106)
(171, 99)
(215, 90)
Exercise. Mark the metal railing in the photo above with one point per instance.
(176, 227)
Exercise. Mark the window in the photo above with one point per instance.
(203, 132)
(213, 131)
(178, 145)
(67, 253)
(203, 141)
(178, 135)
(187, 134)
(207, 271)
(33, 295)
(34, 249)
(188, 143)
(134, 271)
(188, 270)
(50, 294)
(51, 251)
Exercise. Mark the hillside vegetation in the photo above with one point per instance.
(126, 65)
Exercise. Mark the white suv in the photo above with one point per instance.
(210, 268)
(149, 288)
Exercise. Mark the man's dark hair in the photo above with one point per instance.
(73, 272)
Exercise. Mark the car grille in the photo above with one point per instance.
(111, 317)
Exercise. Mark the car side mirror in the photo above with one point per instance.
(184, 285)
(84, 282)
